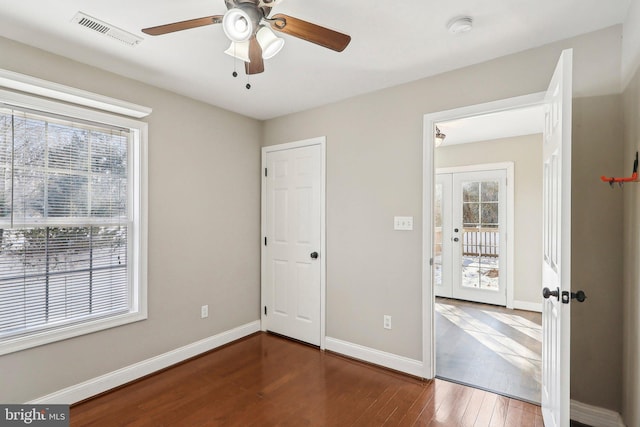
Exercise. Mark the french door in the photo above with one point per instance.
(470, 236)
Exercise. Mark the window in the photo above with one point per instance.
(72, 251)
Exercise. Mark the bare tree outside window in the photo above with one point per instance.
(63, 219)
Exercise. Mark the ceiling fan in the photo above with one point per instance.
(249, 28)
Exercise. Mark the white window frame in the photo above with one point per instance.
(138, 205)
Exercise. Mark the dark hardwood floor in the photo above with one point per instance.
(489, 347)
(266, 380)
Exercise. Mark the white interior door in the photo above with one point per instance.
(292, 252)
(556, 265)
(470, 236)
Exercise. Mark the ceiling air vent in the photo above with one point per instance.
(106, 29)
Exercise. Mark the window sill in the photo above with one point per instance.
(11, 345)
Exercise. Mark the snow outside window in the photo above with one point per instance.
(71, 241)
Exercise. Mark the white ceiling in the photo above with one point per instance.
(392, 43)
(503, 124)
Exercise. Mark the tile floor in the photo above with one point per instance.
(489, 347)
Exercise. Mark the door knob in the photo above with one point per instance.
(546, 293)
(580, 296)
(455, 239)
(314, 255)
(568, 296)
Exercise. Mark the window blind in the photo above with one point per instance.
(64, 222)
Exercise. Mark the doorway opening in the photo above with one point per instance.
(487, 252)
(553, 227)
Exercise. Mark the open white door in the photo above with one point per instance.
(556, 264)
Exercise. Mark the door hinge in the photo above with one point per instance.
(265, 171)
(265, 240)
(431, 262)
(265, 310)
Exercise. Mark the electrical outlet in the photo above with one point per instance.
(387, 321)
(204, 311)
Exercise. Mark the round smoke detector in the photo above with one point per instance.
(461, 24)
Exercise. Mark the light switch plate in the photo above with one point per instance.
(403, 223)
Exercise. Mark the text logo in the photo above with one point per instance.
(34, 415)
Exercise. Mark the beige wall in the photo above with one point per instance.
(204, 219)
(374, 171)
(596, 259)
(526, 154)
(631, 256)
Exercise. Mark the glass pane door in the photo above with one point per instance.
(480, 240)
(442, 236)
(478, 217)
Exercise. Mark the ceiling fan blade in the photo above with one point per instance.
(256, 66)
(183, 25)
(310, 32)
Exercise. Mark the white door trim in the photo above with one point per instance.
(509, 168)
(428, 177)
(321, 141)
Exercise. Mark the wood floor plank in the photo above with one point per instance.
(406, 397)
(472, 410)
(528, 419)
(499, 415)
(514, 416)
(443, 391)
(368, 416)
(486, 410)
(452, 410)
(459, 407)
(526, 407)
(265, 380)
(416, 409)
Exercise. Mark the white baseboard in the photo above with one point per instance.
(377, 357)
(94, 386)
(594, 416)
(528, 306)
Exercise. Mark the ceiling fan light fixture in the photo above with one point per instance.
(239, 50)
(439, 137)
(240, 23)
(269, 42)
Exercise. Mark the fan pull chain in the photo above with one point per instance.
(235, 72)
(235, 61)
